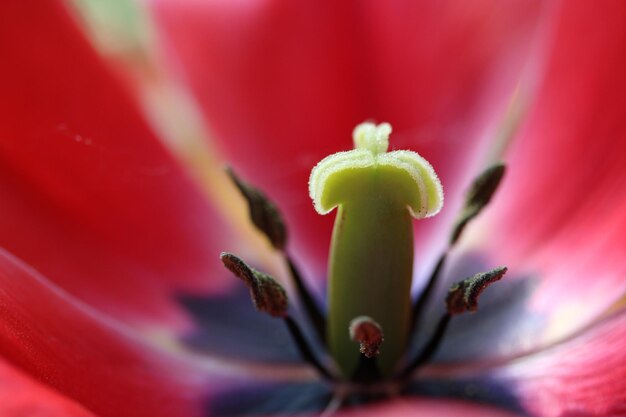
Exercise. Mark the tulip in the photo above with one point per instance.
(113, 299)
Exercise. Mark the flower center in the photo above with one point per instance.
(371, 315)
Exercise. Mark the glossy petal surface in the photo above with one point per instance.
(585, 376)
(89, 195)
(93, 360)
(21, 396)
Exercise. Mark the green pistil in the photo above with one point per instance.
(371, 255)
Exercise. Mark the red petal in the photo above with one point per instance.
(90, 359)
(560, 214)
(89, 195)
(284, 83)
(21, 396)
(584, 377)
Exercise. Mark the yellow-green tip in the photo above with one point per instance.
(425, 193)
(374, 138)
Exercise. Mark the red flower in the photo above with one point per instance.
(105, 234)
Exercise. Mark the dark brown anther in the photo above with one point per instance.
(263, 212)
(267, 294)
(463, 296)
(368, 333)
(478, 197)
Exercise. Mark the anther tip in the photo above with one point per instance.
(463, 295)
(267, 294)
(368, 333)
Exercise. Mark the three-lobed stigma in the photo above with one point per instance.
(330, 180)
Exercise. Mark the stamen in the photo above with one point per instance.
(270, 297)
(305, 349)
(269, 221)
(263, 213)
(420, 303)
(429, 349)
(368, 333)
(315, 315)
(367, 371)
(477, 198)
(463, 296)
(267, 295)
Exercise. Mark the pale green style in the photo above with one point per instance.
(371, 255)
